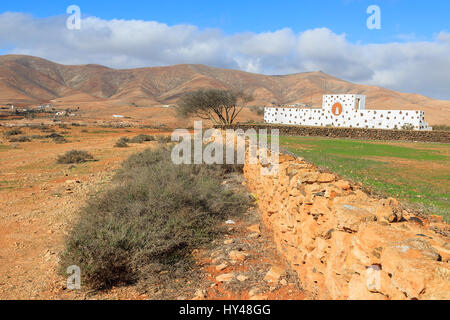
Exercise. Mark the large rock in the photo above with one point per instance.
(274, 274)
(238, 255)
(225, 277)
(326, 177)
(349, 217)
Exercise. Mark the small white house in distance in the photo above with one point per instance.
(347, 111)
(118, 116)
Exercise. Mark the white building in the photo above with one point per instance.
(348, 111)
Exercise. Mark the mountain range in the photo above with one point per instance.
(27, 80)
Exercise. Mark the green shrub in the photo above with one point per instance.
(34, 126)
(150, 221)
(163, 139)
(13, 132)
(20, 139)
(38, 137)
(142, 138)
(122, 143)
(57, 138)
(43, 127)
(47, 129)
(75, 156)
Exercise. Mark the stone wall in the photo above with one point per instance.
(345, 244)
(352, 133)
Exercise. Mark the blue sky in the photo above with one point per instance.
(422, 19)
(409, 53)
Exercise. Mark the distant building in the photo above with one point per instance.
(118, 116)
(348, 111)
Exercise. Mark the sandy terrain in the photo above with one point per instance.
(40, 201)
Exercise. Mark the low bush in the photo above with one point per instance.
(43, 127)
(20, 139)
(75, 156)
(142, 138)
(57, 138)
(163, 139)
(34, 126)
(122, 142)
(150, 221)
(38, 137)
(47, 129)
(13, 132)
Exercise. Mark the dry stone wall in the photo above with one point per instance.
(346, 244)
(351, 133)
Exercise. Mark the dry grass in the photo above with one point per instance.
(75, 156)
(150, 221)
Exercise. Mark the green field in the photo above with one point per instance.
(416, 173)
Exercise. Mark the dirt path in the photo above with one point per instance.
(247, 266)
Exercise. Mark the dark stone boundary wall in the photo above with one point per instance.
(351, 133)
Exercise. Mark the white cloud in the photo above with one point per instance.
(421, 67)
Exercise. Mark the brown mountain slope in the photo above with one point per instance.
(31, 80)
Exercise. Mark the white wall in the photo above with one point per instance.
(348, 101)
(350, 118)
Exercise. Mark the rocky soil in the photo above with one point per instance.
(43, 202)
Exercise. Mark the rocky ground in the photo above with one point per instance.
(245, 264)
(41, 202)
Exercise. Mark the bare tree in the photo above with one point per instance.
(219, 106)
